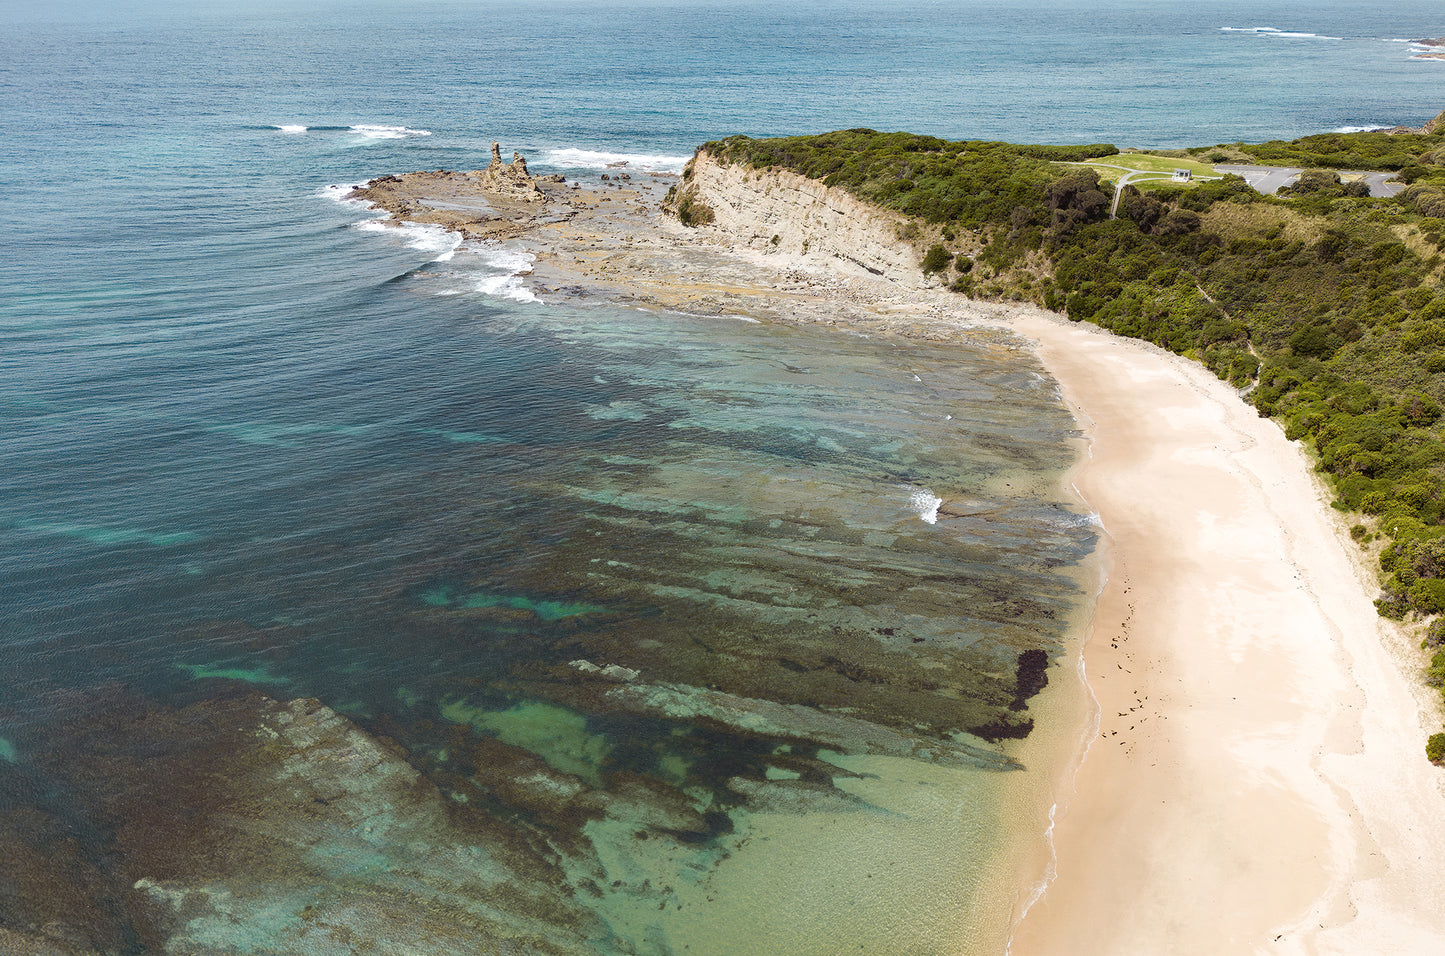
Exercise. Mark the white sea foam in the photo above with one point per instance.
(292, 128)
(388, 132)
(1358, 129)
(1061, 518)
(926, 504)
(337, 192)
(421, 236)
(505, 271)
(572, 158)
(1273, 32)
(506, 287)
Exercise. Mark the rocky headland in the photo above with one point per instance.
(501, 201)
(1290, 788)
(827, 257)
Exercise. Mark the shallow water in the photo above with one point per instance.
(682, 553)
(595, 572)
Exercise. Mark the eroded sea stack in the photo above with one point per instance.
(498, 202)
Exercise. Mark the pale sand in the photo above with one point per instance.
(1258, 782)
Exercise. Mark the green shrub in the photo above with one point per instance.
(691, 212)
(936, 259)
(1435, 675)
(1435, 748)
(1427, 595)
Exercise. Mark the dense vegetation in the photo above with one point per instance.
(1357, 151)
(1323, 304)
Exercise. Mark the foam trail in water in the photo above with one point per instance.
(338, 192)
(926, 504)
(292, 128)
(369, 131)
(573, 158)
(1272, 32)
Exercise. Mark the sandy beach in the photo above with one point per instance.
(1253, 778)
(1257, 782)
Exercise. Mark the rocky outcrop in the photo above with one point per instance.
(508, 180)
(781, 212)
(499, 202)
(1438, 123)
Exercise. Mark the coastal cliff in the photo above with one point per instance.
(778, 211)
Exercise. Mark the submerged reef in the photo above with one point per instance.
(252, 825)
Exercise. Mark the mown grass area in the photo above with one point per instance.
(1147, 171)
(1148, 162)
(1328, 302)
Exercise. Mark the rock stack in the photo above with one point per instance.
(509, 180)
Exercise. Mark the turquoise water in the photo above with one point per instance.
(678, 569)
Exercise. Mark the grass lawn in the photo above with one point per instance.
(1144, 162)
(1159, 168)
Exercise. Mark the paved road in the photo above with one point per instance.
(1124, 181)
(1130, 175)
(1378, 186)
(1268, 179)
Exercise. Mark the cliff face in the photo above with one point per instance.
(778, 211)
(1436, 124)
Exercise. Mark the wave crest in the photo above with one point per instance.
(504, 279)
(1274, 32)
(369, 131)
(420, 236)
(575, 158)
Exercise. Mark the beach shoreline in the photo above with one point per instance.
(1251, 776)
(1256, 782)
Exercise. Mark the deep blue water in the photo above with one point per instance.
(240, 436)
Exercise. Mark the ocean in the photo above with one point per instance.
(698, 575)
